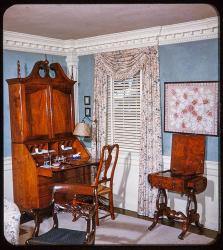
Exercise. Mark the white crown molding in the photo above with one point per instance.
(190, 31)
(32, 43)
(168, 34)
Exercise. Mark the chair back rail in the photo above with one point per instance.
(105, 164)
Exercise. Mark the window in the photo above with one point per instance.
(123, 120)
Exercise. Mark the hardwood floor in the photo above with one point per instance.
(193, 229)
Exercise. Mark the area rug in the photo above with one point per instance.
(124, 230)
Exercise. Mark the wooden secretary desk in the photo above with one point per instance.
(42, 124)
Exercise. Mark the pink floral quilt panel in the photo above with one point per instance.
(191, 107)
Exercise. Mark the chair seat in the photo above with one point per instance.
(103, 189)
(59, 236)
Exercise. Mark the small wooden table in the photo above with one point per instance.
(186, 185)
(185, 177)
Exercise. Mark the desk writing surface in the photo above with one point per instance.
(82, 162)
(69, 164)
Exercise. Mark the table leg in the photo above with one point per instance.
(160, 206)
(192, 215)
(185, 227)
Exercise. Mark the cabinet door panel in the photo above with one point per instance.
(37, 114)
(62, 112)
(16, 113)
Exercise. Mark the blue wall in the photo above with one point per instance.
(85, 87)
(190, 61)
(10, 71)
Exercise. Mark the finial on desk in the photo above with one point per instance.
(46, 61)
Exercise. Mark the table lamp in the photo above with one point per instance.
(83, 129)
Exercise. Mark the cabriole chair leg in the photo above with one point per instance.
(111, 206)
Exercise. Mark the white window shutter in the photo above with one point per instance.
(123, 120)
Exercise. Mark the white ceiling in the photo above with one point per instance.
(74, 21)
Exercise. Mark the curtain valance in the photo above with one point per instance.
(123, 64)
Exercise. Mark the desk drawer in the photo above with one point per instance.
(198, 183)
(73, 173)
(45, 189)
(76, 175)
(173, 184)
(56, 177)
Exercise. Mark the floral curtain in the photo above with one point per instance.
(150, 157)
(121, 65)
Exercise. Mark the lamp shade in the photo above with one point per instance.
(82, 129)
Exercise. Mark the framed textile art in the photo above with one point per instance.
(191, 107)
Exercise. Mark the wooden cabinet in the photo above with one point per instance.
(41, 107)
(42, 119)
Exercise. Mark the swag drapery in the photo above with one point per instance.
(120, 65)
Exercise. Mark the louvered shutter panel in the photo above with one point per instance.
(124, 113)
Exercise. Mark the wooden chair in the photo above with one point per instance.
(63, 236)
(185, 176)
(103, 182)
(104, 179)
